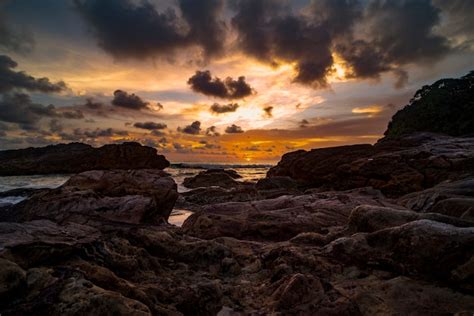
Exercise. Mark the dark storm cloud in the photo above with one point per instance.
(224, 108)
(129, 101)
(268, 111)
(202, 82)
(10, 79)
(126, 29)
(233, 129)
(18, 108)
(212, 131)
(15, 40)
(150, 125)
(193, 129)
(205, 27)
(398, 33)
(372, 36)
(268, 31)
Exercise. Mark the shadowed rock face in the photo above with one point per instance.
(77, 157)
(396, 167)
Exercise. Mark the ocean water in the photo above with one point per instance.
(178, 171)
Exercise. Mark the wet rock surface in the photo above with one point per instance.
(100, 244)
(78, 157)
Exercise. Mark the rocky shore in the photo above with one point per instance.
(384, 229)
(100, 244)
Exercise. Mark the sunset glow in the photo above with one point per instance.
(306, 91)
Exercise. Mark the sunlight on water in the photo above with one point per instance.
(178, 216)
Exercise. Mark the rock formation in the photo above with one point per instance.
(213, 177)
(396, 167)
(77, 157)
(126, 196)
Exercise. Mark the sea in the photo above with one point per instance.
(178, 171)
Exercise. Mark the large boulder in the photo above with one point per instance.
(370, 218)
(213, 177)
(398, 167)
(78, 157)
(450, 198)
(427, 248)
(281, 218)
(133, 196)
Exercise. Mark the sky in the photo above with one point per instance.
(230, 81)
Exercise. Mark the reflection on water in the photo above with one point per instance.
(178, 216)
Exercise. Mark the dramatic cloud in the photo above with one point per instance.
(224, 108)
(212, 131)
(205, 27)
(268, 111)
(150, 125)
(126, 29)
(233, 129)
(397, 33)
(193, 129)
(371, 37)
(202, 82)
(267, 32)
(10, 79)
(18, 108)
(129, 101)
(20, 41)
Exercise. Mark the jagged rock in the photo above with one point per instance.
(281, 218)
(276, 183)
(425, 248)
(403, 296)
(196, 198)
(134, 196)
(450, 198)
(77, 157)
(368, 218)
(213, 177)
(397, 167)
